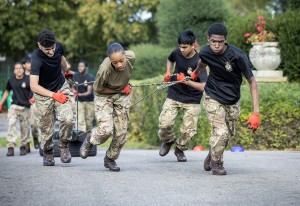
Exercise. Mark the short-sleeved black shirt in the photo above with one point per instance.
(225, 75)
(21, 90)
(48, 68)
(181, 92)
(83, 88)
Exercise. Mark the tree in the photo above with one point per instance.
(175, 16)
(84, 27)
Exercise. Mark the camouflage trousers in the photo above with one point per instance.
(86, 115)
(46, 112)
(112, 114)
(189, 125)
(222, 119)
(32, 121)
(16, 112)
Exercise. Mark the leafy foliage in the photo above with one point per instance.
(288, 35)
(285, 27)
(151, 60)
(280, 117)
(84, 27)
(175, 16)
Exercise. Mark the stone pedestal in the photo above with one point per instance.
(265, 57)
(269, 76)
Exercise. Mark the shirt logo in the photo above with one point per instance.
(85, 83)
(228, 66)
(189, 70)
(23, 85)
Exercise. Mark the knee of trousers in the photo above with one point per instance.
(99, 139)
(165, 131)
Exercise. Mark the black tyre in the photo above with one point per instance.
(74, 146)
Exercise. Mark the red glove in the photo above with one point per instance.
(69, 74)
(0, 107)
(180, 77)
(194, 75)
(60, 97)
(31, 100)
(127, 90)
(253, 122)
(167, 76)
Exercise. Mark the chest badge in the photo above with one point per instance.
(23, 85)
(189, 70)
(85, 83)
(228, 66)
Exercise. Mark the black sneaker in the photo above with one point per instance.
(217, 168)
(111, 164)
(36, 143)
(48, 158)
(165, 148)
(86, 147)
(10, 151)
(23, 150)
(65, 155)
(180, 155)
(27, 148)
(207, 160)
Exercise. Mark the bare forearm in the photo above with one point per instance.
(200, 65)
(64, 64)
(196, 85)
(169, 66)
(254, 94)
(4, 97)
(88, 92)
(41, 90)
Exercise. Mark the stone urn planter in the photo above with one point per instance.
(265, 55)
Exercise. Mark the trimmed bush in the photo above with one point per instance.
(151, 60)
(279, 109)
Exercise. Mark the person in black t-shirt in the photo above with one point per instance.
(222, 93)
(19, 109)
(34, 128)
(51, 94)
(181, 97)
(85, 97)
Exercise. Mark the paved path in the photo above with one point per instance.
(254, 178)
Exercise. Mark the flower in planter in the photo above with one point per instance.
(262, 34)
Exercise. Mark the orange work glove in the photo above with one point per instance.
(31, 100)
(180, 77)
(194, 75)
(0, 107)
(167, 76)
(69, 74)
(127, 90)
(253, 122)
(60, 97)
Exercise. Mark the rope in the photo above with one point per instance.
(160, 86)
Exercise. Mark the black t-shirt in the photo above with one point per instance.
(48, 68)
(83, 88)
(182, 92)
(225, 75)
(21, 90)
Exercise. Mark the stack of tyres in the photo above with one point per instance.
(74, 146)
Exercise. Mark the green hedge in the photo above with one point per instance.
(286, 28)
(279, 108)
(151, 60)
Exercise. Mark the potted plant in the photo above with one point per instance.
(264, 54)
